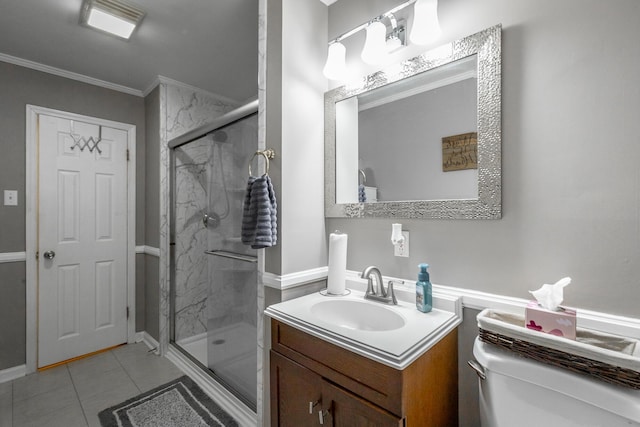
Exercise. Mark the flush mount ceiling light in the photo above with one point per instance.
(381, 40)
(115, 17)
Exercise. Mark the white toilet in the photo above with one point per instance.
(520, 392)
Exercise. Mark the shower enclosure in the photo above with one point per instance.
(214, 276)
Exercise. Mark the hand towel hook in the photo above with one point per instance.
(269, 153)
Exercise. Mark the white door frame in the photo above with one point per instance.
(31, 205)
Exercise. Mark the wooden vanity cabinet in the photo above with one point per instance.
(351, 390)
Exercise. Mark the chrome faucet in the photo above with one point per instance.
(378, 292)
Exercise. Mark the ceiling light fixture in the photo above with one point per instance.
(115, 17)
(380, 41)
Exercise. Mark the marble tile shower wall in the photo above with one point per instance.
(213, 292)
(184, 109)
(191, 287)
(188, 109)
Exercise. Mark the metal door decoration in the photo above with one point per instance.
(81, 142)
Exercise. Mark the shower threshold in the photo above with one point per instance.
(230, 353)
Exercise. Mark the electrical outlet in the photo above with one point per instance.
(402, 249)
(10, 198)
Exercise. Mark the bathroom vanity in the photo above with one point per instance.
(345, 368)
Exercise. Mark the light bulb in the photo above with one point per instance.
(375, 46)
(426, 27)
(335, 68)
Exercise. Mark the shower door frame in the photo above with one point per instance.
(230, 118)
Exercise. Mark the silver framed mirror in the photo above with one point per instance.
(466, 185)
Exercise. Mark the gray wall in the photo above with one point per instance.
(20, 86)
(12, 314)
(570, 102)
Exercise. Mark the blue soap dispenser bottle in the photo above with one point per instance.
(424, 300)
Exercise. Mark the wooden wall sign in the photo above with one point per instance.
(460, 152)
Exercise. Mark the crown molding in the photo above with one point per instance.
(68, 74)
(168, 81)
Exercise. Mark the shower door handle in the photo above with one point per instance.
(49, 255)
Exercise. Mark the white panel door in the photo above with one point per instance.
(82, 239)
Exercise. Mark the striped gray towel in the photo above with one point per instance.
(259, 214)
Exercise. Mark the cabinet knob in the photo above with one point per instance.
(313, 405)
(322, 415)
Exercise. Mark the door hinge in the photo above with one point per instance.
(37, 255)
(127, 154)
(127, 312)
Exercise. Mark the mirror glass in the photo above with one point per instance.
(431, 115)
(420, 139)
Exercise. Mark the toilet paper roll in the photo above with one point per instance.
(337, 264)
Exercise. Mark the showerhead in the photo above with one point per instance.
(219, 136)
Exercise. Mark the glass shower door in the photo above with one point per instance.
(232, 320)
(214, 284)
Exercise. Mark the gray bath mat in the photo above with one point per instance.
(179, 403)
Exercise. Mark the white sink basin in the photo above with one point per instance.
(358, 315)
(391, 334)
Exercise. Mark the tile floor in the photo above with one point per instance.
(71, 395)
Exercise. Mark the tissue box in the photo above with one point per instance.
(561, 323)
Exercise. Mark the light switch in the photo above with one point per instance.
(10, 198)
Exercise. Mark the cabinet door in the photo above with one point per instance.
(295, 394)
(348, 410)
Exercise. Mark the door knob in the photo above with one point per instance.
(49, 255)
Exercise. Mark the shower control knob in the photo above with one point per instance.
(49, 255)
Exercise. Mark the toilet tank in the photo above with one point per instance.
(521, 392)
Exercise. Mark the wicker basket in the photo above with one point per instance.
(599, 361)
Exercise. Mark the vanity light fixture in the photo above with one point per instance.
(335, 67)
(381, 40)
(115, 17)
(375, 46)
(426, 27)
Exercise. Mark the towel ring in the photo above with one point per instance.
(364, 177)
(269, 153)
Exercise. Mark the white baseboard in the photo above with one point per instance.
(610, 323)
(294, 279)
(13, 257)
(11, 374)
(22, 256)
(150, 341)
(148, 250)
